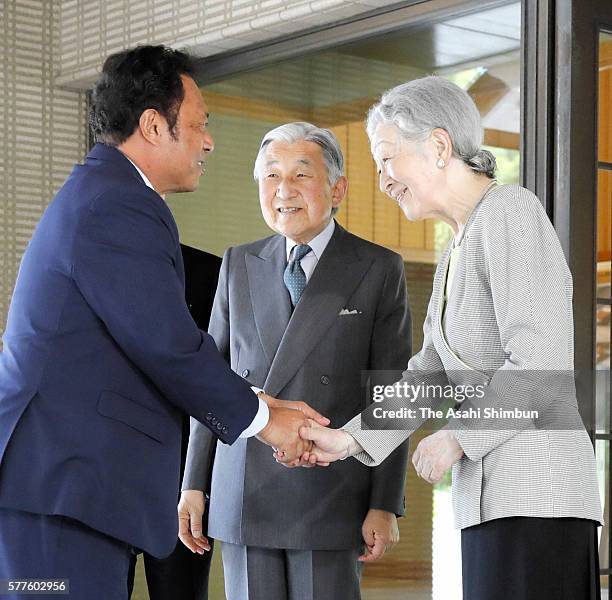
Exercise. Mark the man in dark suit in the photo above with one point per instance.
(100, 352)
(183, 575)
(303, 314)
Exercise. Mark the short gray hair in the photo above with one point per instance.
(302, 131)
(422, 105)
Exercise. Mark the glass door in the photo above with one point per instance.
(475, 45)
(582, 214)
(603, 301)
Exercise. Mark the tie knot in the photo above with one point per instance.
(300, 251)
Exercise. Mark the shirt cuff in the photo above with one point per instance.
(260, 421)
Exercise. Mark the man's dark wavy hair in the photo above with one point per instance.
(131, 82)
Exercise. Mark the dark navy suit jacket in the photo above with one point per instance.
(101, 356)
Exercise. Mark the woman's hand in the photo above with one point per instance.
(329, 445)
(436, 454)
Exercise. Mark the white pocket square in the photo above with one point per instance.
(346, 311)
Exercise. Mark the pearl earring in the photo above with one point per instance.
(440, 163)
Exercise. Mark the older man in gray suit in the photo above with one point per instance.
(301, 315)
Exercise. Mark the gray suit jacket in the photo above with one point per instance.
(509, 325)
(315, 355)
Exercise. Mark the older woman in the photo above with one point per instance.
(525, 491)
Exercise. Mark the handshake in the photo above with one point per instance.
(300, 437)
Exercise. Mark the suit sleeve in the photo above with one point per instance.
(124, 266)
(201, 448)
(390, 351)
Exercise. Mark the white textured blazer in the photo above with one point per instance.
(509, 324)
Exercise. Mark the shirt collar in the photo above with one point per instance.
(144, 177)
(318, 243)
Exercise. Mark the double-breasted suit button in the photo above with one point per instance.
(208, 416)
(324, 379)
(220, 426)
(214, 420)
(245, 373)
(224, 430)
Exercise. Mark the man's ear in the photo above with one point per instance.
(339, 191)
(150, 124)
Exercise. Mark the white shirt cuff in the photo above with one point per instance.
(261, 418)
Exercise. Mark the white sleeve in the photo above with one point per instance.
(261, 418)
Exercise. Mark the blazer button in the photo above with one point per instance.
(224, 430)
(219, 426)
(324, 379)
(208, 416)
(214, 420)
(245, 373)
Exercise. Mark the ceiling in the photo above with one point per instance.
(452, 43)
(462, 49)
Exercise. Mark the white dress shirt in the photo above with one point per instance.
(263, 413)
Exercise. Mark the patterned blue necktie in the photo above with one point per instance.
(294, 277)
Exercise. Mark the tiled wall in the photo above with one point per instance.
(42, 129)
(92, 29)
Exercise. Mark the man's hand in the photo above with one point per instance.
(380, 533)
(282, 430)
(436, 454)
(329, 445)
(190, 511)
(306, 410)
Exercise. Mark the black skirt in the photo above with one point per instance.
(527, 558)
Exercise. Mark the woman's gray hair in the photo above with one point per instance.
(302, 131)
(422, 105)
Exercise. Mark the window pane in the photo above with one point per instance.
(604, 179)
(605, 97)
(602, 310)
(602, 391)
(334, 88)
(604, 231)
(602, 337)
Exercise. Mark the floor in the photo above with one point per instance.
(368, 594)
(396, 595)
(446, 575)
(446, 566)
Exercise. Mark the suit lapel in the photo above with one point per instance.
(335, 278)
(269, 296)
